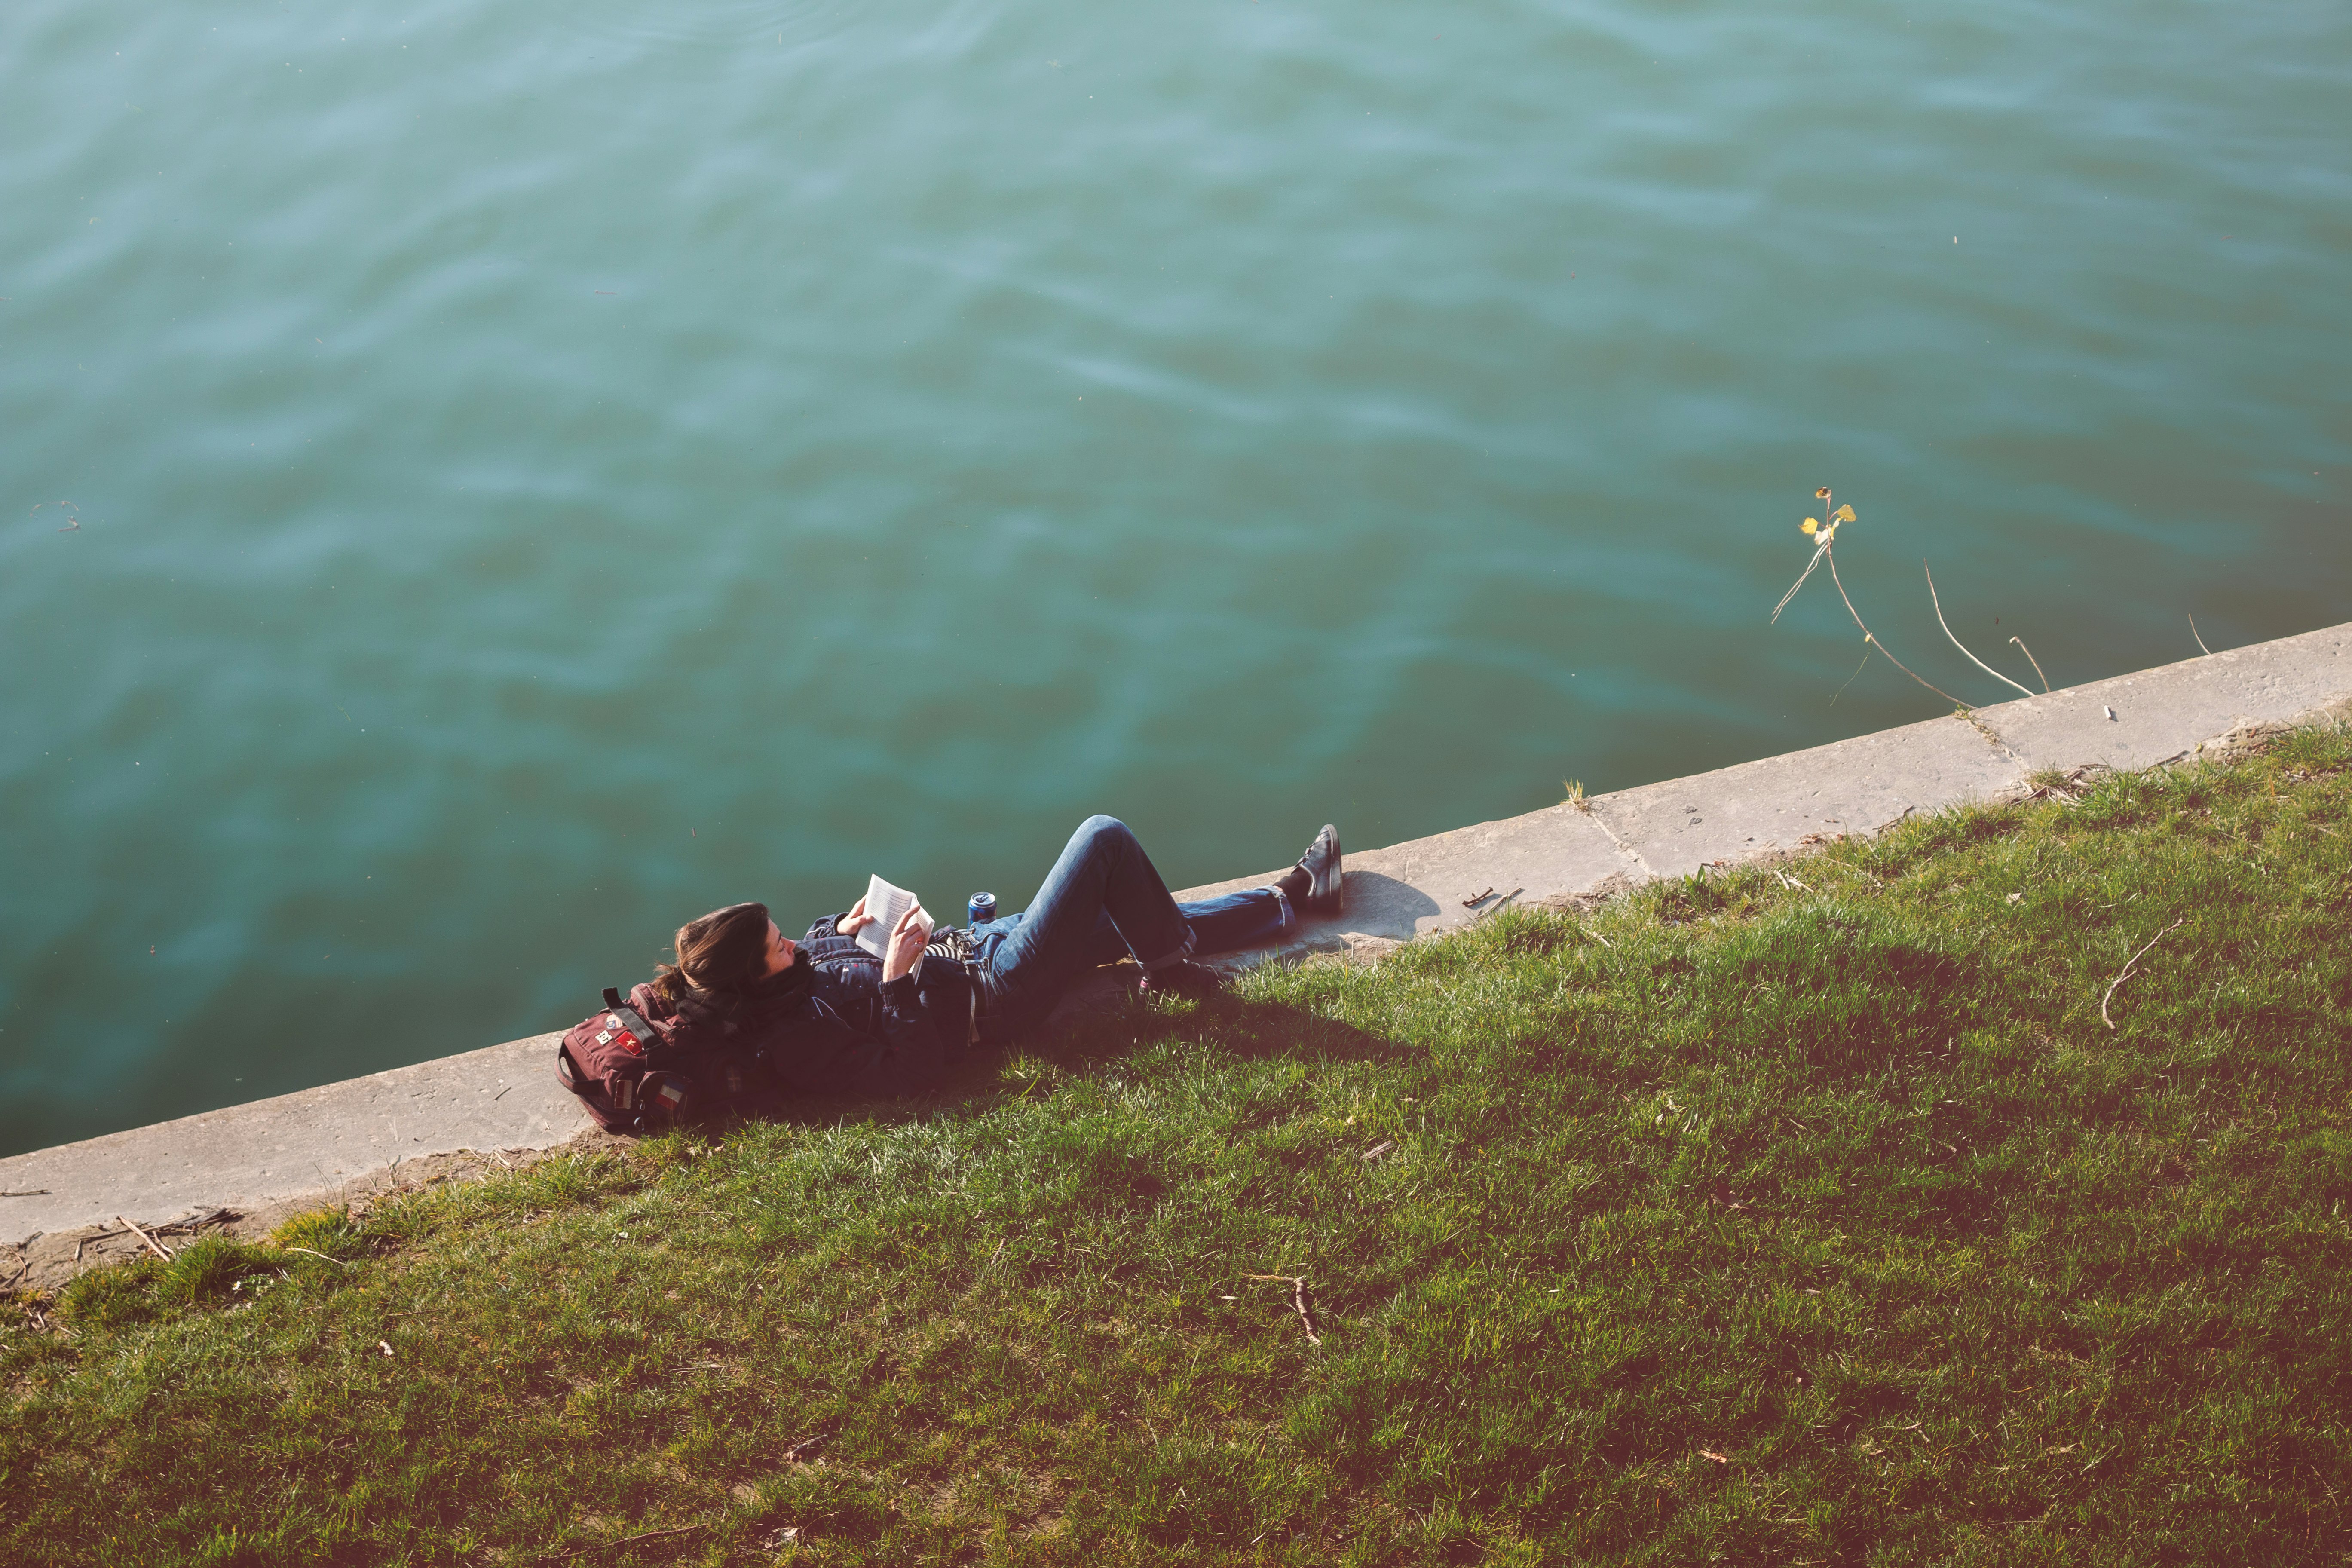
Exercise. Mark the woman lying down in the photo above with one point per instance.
(747, 1009)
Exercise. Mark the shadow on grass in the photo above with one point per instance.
(1098, 1028)
(1833, 994)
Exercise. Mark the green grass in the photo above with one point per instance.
(1735, 1221)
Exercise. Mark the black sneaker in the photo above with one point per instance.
(1321, 864)
(1182, 978)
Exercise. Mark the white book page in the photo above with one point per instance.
(888, 906)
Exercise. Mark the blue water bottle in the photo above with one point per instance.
(984, 908)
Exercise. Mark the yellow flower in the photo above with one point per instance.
(1811, 523)
(1843, 514)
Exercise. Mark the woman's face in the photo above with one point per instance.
(781, 950)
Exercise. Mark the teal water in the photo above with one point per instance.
(543, 472)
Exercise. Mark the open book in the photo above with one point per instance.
(888, 906)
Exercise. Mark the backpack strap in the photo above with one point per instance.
(612, 998)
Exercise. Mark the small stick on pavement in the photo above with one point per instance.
(152, 1244)
(2200, 641)
(2127, 974)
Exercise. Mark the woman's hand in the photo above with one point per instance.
(856, 920)
(907, 942)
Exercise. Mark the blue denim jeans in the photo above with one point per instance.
(1103, 901)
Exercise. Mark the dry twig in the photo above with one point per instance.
(1301, 1300)
(1824, 548)
(625, 1541)
(2200, 641)
(1851, 679)
(1501, 900)
(1305, 1305)
(1820, 551)
(1938, 603)
(153, 1246)
(1868, 637)
(336, 1261)
(2034, 662)
(2127, 974)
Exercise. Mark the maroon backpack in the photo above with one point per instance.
(638, 1066)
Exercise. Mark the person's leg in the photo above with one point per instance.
(1254, 917)
(1103, 946)
(1231, 922)
(1102, 878)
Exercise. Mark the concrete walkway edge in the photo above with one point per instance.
(347, 1136)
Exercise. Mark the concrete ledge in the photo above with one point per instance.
(315, 1140)
(1850, 786)
(1423, 887)
(346, 1136)
(2162, 715)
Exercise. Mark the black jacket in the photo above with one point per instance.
(829, 1025)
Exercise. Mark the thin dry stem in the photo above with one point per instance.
(2200, 641)
(625, 1541)
(1851, 679)
(2127, 974)
(1872, 639)
(1305, 1305)
(153, 1246)
(1300, 1300)
(1938, 603)
(1820, 551)
(2034, 662)
(313, 1252)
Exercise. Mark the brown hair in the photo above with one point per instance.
(725, 950)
